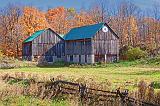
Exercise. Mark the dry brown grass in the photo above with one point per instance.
(37, 89)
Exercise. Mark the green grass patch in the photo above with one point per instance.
(24, 82)
(30, 101)
(123, 73)
(118, 76)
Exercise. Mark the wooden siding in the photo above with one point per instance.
(101, 44)
(105, 43)
(78, 47)
(27, 49)
(48, 44)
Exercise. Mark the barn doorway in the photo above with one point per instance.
(99, 58)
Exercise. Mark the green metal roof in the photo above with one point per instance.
(33, 36)
(83, 32)
(61, 35)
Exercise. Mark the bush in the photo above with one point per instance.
(123, 51)
(155, 85)
(135, 53)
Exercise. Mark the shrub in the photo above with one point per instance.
(155, 85)
(123, 51)
(135, 53)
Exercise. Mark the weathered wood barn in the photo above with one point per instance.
(86, 44)
(44, 45)
(90, 44)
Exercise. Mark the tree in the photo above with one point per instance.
(57, 18)
(9, 19)
(98, 11)
(133, 31)
(82, 19)
(32, 20)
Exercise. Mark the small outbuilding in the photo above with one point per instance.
(44, 45)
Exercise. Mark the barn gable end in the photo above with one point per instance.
(47, 46)
(89, 44)
(105, 45)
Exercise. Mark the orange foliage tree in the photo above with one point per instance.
(81, 19)
(33, 20)
(57, 19)
(62, 19)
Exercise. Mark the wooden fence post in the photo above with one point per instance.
(123, 96)
(82, 90)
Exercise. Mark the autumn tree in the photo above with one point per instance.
(32, 20)
(63, 19)
(10, 39)
(100, 11)
(57, 19)
(135, 27)
(82, 19)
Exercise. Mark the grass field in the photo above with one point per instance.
(30, 101)
(123, 76)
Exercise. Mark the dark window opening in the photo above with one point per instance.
(49, 58)
(85, 58)
(79, 58)
(71, 58)
(27, 50)
(58, 56)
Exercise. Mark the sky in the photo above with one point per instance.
(77, 4)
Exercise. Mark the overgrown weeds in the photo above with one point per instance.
(28, 86)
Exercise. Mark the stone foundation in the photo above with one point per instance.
(90, 59)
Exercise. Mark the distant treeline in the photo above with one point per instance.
(135, 27)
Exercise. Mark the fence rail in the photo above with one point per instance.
(85, 93)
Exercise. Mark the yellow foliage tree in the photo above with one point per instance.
(133, 31)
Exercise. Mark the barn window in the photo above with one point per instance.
(85, 58)
(79, 58)
(71, 58)
(27, 50)
(58, 56)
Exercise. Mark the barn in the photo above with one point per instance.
(86, 44)
(92, 43)
(44, 45)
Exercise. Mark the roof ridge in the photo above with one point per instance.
(82, 32)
